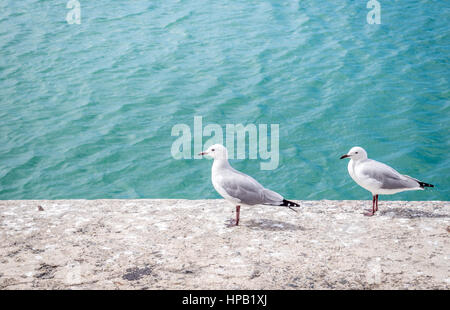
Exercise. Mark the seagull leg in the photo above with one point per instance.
(235, 222)
(376, 203)
(373, 208)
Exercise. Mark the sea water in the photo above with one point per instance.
(88, 99)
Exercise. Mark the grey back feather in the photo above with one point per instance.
(388, 177)
(247, 189)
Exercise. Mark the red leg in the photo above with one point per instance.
(373, 208)
(238, 211)
(376, 203)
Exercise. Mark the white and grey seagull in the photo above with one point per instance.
(378, 178)
(238, 188)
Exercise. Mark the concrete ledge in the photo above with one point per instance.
(178, 244)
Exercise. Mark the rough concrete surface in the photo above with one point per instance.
(186, 244)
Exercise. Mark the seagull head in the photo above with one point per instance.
(216, 151)
(356, 153)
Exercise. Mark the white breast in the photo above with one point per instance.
(216, 181)
(368, 184)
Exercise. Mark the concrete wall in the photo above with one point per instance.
(178, 244)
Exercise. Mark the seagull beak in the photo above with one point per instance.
(202, 153)
(345, 156)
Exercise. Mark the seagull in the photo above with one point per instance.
(238, 188)
(378, 178)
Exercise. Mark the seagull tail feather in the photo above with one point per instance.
(423, 184)
(289, 204)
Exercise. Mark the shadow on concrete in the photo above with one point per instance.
(411, 213)
(133, 274)
(271, 225)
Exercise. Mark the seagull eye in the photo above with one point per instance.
(356, 152)
(212, 150)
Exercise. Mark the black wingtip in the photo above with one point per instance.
(423, 185)
(287, 203)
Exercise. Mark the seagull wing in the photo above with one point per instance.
(386, 177)
(246, 189)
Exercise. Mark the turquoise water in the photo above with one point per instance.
(87, 110)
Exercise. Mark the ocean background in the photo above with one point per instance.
(86, 111)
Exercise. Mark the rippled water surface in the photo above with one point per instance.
(86, 111)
